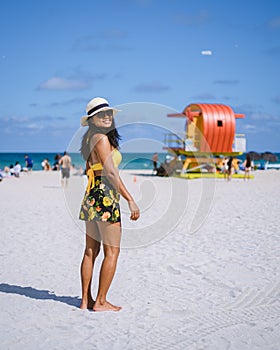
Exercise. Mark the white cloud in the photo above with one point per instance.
(206, 52)
(57, 83)
(249, 127)
(264, 116)
(33, 126)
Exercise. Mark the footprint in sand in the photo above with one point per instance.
(171, 269)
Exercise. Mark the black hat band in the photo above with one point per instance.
(97, 107)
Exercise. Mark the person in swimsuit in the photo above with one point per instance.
(247, 166)
(28, 162)
(100, 207)
(155, 161)
(65, 162)
(229, 168)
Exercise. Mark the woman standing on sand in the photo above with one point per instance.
(247, 166)
(100, 207)
(229, 168)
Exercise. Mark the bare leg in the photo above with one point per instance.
(248, 174)
(229, 174)
(111, 234)
(91, 252)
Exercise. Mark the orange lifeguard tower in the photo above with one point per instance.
(210, 134)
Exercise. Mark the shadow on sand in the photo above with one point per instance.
(38, 294)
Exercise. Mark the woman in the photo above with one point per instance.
(229, 168)
(100, 207)
(247, 166)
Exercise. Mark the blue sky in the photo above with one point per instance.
(57, 55)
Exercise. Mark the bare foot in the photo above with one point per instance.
(105, 307)
(83, 305)
(87, 304)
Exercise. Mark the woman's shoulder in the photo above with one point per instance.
(99, 138)
(100, 144)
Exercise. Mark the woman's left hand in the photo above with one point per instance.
(134, 210)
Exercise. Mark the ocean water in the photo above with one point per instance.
(130, 161)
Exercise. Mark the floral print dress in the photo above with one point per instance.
(101, 203)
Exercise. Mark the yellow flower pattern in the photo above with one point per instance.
(115, 195)
(107, 201)
(91, 214)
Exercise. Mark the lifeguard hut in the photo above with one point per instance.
(210, 135)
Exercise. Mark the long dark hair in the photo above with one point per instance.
(112, 134)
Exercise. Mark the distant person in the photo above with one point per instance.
(56, 162)
(43, 164)
(46, 165)
(229, 168)
(11, 169)
(77, 171)
(236, 165)
(28, 162)
(65, 163)
(247, 166)
(7, 171)
(220, 166)
(224, 168)
(155, 161)
(17, 169)
(166, 168)
(162, 169)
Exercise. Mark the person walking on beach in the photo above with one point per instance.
(28, 162)
(65, 163)
(100, 207)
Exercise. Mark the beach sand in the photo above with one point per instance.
(199, 270)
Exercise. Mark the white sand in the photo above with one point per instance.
(217, 287)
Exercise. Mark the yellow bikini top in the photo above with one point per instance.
(117, 158)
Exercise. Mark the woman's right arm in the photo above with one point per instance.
(133, 207)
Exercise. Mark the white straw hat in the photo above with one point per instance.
(95, 106)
